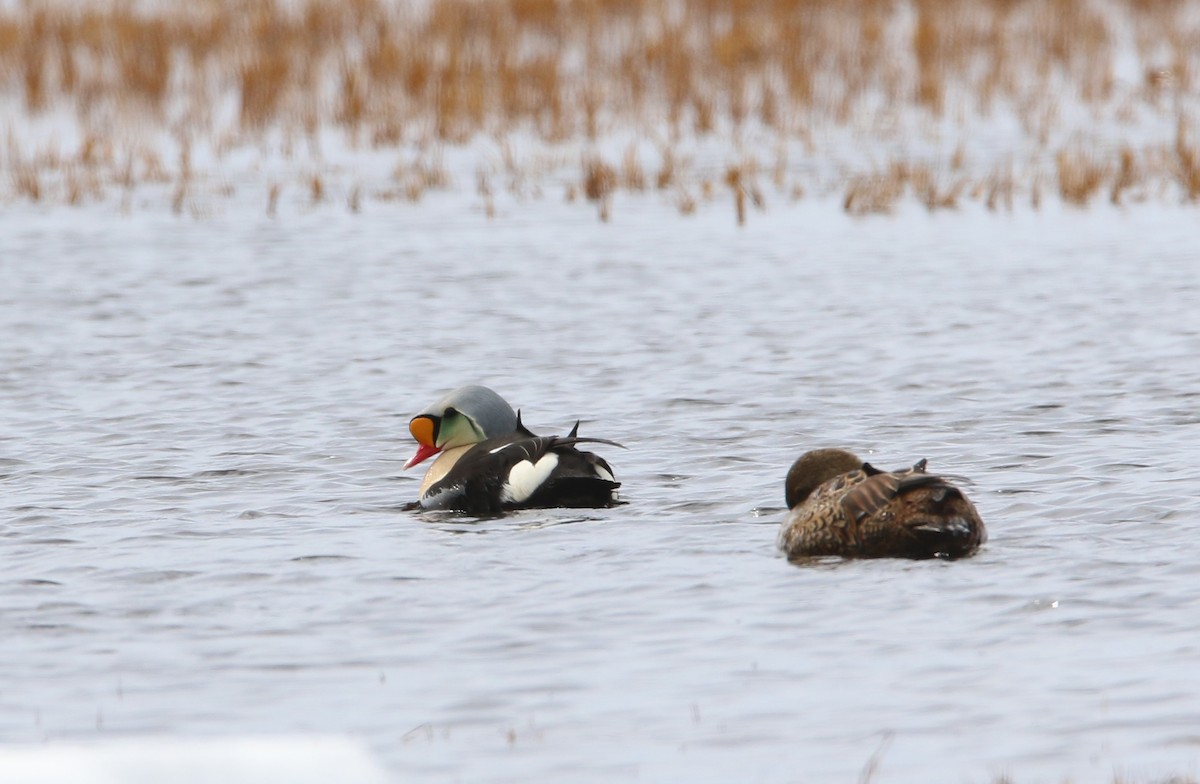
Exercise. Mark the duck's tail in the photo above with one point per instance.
(951, 528)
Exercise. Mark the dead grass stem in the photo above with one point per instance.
(876, 192)
(1187, 160)
(1080, 175)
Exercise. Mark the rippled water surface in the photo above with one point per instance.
(202, 429)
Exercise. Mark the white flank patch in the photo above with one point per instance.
(525, 478)
(600, 472)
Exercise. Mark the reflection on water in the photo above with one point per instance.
(202, 434)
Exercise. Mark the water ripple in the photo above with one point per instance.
(204, 511)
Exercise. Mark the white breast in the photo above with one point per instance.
(441, 466)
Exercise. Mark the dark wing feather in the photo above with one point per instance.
(521, 429)
(879, 489)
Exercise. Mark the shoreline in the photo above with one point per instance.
(871, 103)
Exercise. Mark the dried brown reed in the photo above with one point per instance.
(599, 179)
(666, 172)
(353, 105)
(1080, 175)
(179, 198)
(733, 178)
(397, 74)
(999, 187)
(125, 173)
(262, 81)
(91, 151)
(686, 203)
(780, 168)
(633, 177)
(1128, 176)
(929, 40)
(876, 192)
(424, 172)
(742, 180)
(80, 185)
(143, 57)
(599, 182)
(27, 182)
(483, 186)
(1187, 161)
(931, 187)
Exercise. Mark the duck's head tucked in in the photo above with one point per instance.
(843, 506)
(489, 462)
(815, 468)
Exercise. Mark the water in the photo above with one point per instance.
(202, 428)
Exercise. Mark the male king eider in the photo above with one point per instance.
(843, 506)
(489, 462)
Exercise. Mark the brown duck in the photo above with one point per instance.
(843, 506)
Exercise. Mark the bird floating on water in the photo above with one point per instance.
(840, 505)
(489, 462)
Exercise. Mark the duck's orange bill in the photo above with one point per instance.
(422, 429)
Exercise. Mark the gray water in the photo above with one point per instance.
(203, 424)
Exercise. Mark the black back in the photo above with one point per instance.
(476, 483)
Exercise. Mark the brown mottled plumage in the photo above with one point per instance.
(843, 506)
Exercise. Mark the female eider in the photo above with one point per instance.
(489, 462)
(843, 506)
